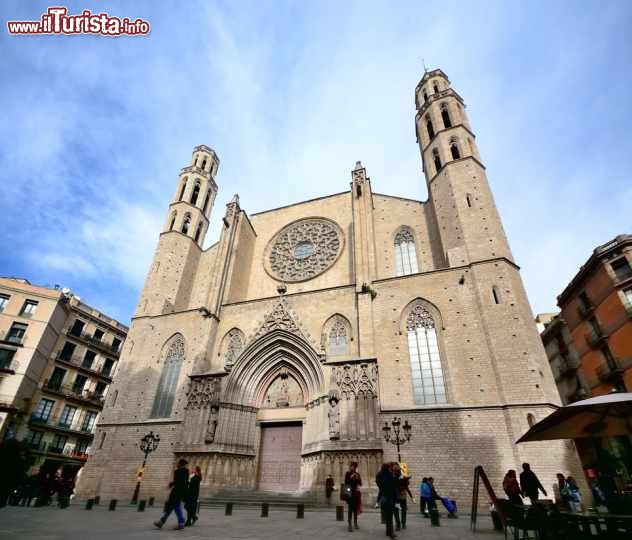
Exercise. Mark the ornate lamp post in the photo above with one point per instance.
(398, 438)
(147, 445)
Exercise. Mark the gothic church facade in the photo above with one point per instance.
(273, 358)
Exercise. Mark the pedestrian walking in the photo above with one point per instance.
(570, 493)
(448, 504)
(352, 494)
(425, 493)
(193, 494)
(388, 486)
(179, 489)
(400, 471)
(530, 484)
(511, 487)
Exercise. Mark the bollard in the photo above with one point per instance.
(89, 504)
(141, 505)
(112, 505)
(151, 501)
(300, 511)
(97, 499)
(340, 513)
(264, 509)
(434, 517)
(229, 509)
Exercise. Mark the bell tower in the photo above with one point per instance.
(193, 200)
(467, 220)
(171, 275)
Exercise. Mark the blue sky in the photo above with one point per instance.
(290, 94)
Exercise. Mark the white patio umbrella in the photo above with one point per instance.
(601, 416)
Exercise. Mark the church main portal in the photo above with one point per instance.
(280, 457)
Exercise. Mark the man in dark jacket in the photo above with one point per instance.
(388, 485)
(179, 488)
(529, 484)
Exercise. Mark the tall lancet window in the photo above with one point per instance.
(425, 360)
(405, 254)
(166, 393)
(338, 337)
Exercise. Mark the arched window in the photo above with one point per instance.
(184, 187)
(206, 201)
(196, 160)
(114, 396)
(425, 360)
(186, 223)
(173, 221)
(435, 88)
(530, 420)
(196, 193)
(425, 96)
(468, 199)
(405, 254)
(204, 164)
(166, 393)
(437, 159)
(234, 344)
(429, 127)
(454, 148)
(198, 232)
(336, 336)
(445, 115)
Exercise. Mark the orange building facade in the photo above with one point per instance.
(589, 345)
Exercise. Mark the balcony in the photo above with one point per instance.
(6, 337)
(73, 393)
(585, 309)
(9, 367)
(96, 342)
(595, 337)
(48, 448)
(609, 373)
(628, 308)
(77, 362)
(568, 365)
(578, 395)
(54, 424)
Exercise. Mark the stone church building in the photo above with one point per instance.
(273, 358)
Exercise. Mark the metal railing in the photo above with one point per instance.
(585, 309)
(74, 392)
(10, 366)
(54, 422)
(595, 336)
(607, 372)
(97, 368)
(44, 447)
(8, 338)
(97, 342)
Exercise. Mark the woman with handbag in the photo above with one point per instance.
(352, 494)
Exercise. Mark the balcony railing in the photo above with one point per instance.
(8, 338)
(53, 422)
(94, 368)
(43, 447)
(609, 373)
(628, 308)
(578, 395)
(569, 364)
(595, 336)
(585, 309)
(10, 366)
(97, 342)
(74, 392)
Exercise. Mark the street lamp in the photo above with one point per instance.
(398, 438)
(147, 445)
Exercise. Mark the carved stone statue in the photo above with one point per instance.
(334, 418)
(212, 423)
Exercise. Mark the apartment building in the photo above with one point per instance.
(57, 359)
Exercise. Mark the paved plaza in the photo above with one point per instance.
(75, 523)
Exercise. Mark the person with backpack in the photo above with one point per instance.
(179, 488)
(425, 496)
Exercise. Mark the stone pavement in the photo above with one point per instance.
(75, 523)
